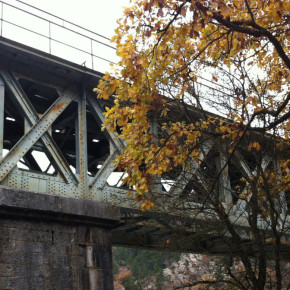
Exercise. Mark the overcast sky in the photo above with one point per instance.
(95, 15)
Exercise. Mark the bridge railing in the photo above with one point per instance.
(39, 29)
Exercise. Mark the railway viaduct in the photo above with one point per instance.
(62, 203)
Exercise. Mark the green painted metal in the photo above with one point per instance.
(182, 180)
(97, 108)
(100, 179)
(35, 133)
(81, 144)
(2, 94)
(77, 116)
(31, 117)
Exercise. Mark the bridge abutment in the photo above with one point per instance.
(52, 242)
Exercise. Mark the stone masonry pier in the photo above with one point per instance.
(53, 242)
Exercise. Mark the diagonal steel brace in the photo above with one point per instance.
(100, 119)
(32, 117)
(38, 130)
(184, 178)
(100, 179)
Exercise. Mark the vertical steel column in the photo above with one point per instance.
(281, 204)
(81, 145)
(225, 184)
(156, 185)
(2, 93)
(31, 118)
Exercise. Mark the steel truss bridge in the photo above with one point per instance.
(51, 142)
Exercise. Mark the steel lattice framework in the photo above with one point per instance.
(47, 107)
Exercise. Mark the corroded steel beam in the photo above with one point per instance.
(32, 118)
(35, 133)
(2, 94)
(81, 144)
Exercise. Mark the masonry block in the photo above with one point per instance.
(54, 248)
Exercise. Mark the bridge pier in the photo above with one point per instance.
(53, 242)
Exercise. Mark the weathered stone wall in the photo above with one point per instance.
(38, 251)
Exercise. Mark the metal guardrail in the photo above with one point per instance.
(45, 31)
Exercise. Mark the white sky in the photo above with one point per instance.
(95, 15)
(99, 16)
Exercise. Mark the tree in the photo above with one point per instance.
(193, 271)
(146, 266)
(180, 59)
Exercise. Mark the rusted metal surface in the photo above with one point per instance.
(2, 95)
(100, 119)
(225, 185)
(31, 117)
(81, 144)
(35, 133)
(100, 179)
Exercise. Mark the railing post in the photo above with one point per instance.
(49, 36)
(92, 55)
(2, 7)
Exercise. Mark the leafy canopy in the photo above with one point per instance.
(231, 55)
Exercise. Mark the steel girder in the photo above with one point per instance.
(94, 186)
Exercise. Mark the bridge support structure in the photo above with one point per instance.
(53, 242)
(59, 184)
(54, 231)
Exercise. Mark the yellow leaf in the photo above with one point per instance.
(146, 205)
(257, 146)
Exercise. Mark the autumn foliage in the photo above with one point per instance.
(166, 48)
(180, 59)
